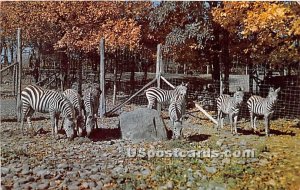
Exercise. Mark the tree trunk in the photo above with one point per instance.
(225, 59)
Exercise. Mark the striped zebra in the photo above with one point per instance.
(231, 106)
(155, 94)
(176, 109)
(91, 96)
(76, 101)
(35, 98)
(262, 106)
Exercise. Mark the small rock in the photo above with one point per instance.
(263, 162)
(241, 162)
(92, 184)
(73, 187)
(220, 142)
(4, 170)
(62, 166)
(145, 172)
(170, 185)
(243, 143)
(99, 184)
(44, 174)
(211, 170)
(95, 177)
(43, 186)
(85, 185)
(226, 161)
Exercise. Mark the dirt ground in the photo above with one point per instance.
(37, 161)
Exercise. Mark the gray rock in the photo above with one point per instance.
(85, 185)
(211, 170)
(26, 171)
(170, 185)
(99, 184)
(62, 166)
(146, 172)
(92, 184)
(73, 187)
(4, 171)
(95, 177)
(43, 186)
(226, 161)
(44, 174)
(142, 124)
(220, 142)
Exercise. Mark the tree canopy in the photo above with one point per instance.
(194, 32)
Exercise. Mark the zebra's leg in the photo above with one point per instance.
(53, 124)
(29, 115)
(231, 123)
(267, 130)
(235, 121)
(251, 120)
(219, 119)
(254, 123)
(222, 121)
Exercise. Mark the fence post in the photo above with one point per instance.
(102, 108)
(158, 71)
(115, 81)
(221, 86)
(19, 79)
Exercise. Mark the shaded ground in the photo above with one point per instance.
(105, 161)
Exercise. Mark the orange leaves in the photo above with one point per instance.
(76, 25)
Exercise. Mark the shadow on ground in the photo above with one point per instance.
(262, 132)
(105, 134)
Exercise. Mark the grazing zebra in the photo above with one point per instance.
(91, 96)
(176, 112)
(35, 98)
(154, 94)
(262, 106)
(76, 101)
(231, 106)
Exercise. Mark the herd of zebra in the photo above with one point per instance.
(226, 104)
(80, 113)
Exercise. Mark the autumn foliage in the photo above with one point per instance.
(261, 31)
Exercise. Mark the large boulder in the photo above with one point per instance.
(142, 124)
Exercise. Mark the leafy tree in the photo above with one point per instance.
(266, 32)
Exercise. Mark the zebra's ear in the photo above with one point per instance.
(187, 84)
(277, 90)
(271, 89)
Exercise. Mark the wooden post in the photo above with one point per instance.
(14, 79)
(205, 113)
(102, 107)
(158, 71)
(19, 79)
(115, 80)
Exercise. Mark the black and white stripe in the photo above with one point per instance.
(91, 96)
(76, 101)
(176, 110)
(155, 94)
(230, 106)
(262, 106)
(35, 98)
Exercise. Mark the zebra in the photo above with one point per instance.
(35, 98)
(176, 109)
(154, 94)
(231, 106)
(91, 96)
(76, 101)
(258, 105)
